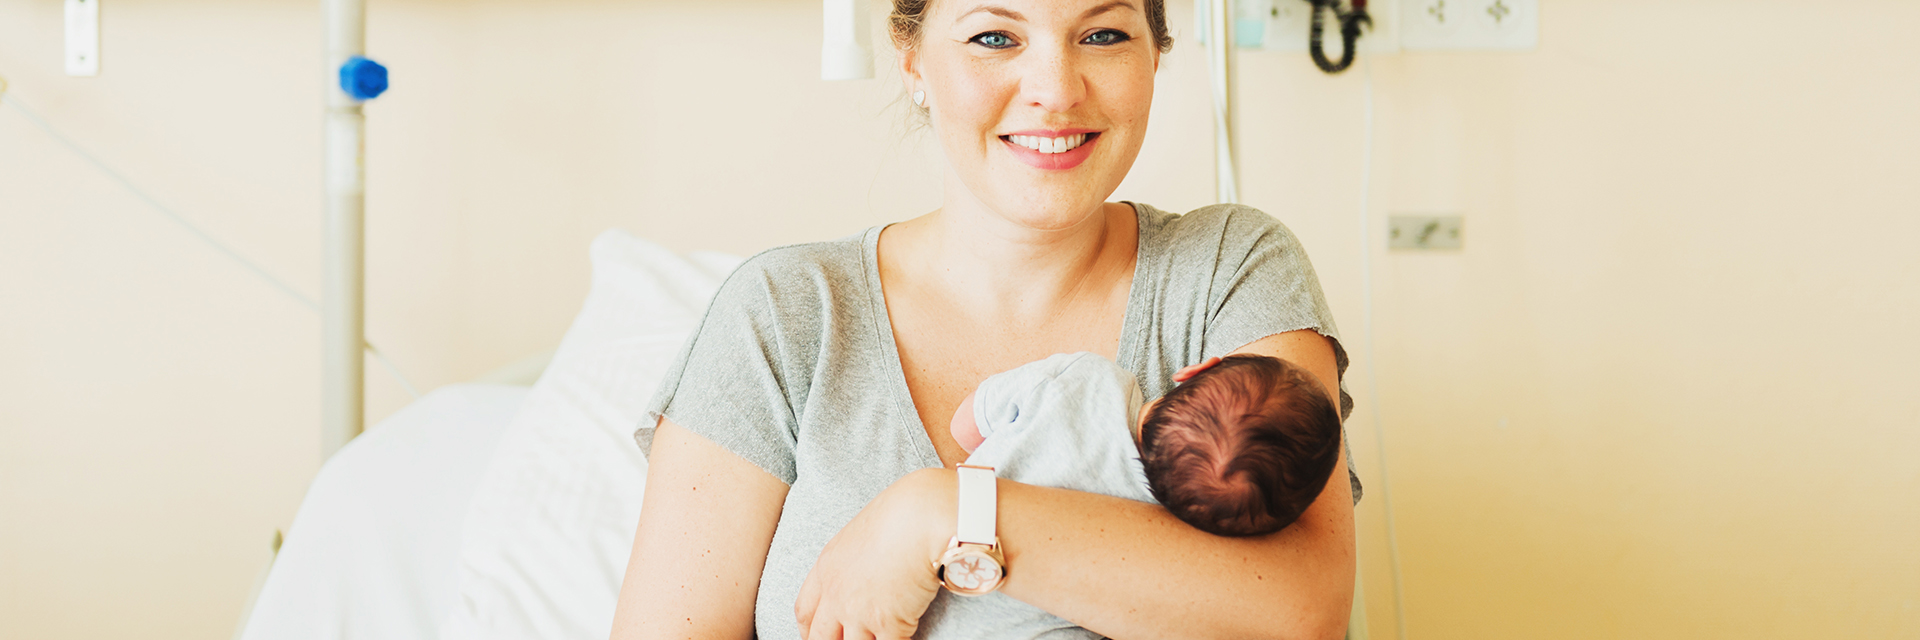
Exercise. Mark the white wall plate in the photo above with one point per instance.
(1469, 25)
(83, 37)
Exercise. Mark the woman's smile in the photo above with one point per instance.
(1050, 149)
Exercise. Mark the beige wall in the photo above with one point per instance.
(1663, 393)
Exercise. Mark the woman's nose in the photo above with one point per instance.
(1053, 81)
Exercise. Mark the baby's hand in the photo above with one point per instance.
(965, 430)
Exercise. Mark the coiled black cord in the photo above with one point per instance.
(1350, 23)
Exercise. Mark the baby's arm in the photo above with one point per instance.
(1061, 422)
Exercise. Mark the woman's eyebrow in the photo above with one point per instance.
(1116, 4)
(995, 10)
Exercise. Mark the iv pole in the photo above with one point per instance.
(342, 301)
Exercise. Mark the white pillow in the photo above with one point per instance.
(547, 537)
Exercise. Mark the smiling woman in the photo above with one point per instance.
(802, 479)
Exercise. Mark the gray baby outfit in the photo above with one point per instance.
(794, 367)
(1065, 421)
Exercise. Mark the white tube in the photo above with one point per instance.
(1220, 62)
(342, 300)
(846, 49)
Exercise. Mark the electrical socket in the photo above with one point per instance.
(1469, 25)
(1424, 233)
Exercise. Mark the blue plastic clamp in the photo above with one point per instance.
(362, 78)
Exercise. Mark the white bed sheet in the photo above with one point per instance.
(374, 551)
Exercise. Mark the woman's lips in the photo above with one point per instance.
(1052, 161)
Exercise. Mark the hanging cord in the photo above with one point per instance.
(191, 228)
(1350, 23)
(1373, 364)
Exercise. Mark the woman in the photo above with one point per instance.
(801, 480)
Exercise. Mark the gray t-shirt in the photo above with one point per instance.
(794, 367)
(1064, 421)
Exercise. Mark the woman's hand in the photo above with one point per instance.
(1188, 372)
(875, 578)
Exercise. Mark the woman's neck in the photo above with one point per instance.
(988, 264)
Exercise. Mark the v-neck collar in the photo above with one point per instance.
(1132, 333)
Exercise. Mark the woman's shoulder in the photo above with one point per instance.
(1210, 222)
(809, 259)
(1214, 231)
(796, 272)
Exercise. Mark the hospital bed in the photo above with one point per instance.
(497, 509)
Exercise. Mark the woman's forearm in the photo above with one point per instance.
(1128, 569)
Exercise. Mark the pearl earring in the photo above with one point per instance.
(919, 98)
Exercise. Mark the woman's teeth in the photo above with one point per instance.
(1050, 145)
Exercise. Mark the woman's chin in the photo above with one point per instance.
(1046, 205)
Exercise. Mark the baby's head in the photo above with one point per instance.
(1242, 447)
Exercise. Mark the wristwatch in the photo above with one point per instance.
(973, 564)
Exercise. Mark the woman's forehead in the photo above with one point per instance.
(1032, 10)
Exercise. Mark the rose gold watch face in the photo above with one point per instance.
(972, 573)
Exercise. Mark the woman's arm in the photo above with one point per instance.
(1130, 570)
(701, 544)
(1126, 569)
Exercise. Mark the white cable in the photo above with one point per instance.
(191, 228)
(1373, 381)
(384, 362)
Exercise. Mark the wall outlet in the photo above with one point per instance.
(1424, 232)
(1469, 25)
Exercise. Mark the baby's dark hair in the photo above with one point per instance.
(1241, 448)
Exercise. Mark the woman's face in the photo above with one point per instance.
(1040, 105)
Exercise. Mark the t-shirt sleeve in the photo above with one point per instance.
(1264, 285)
(733, 382)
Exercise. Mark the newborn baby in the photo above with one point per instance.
(1240, 448)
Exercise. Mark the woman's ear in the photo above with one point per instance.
(909, 71)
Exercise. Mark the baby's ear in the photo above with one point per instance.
(965, 430)
(1189, 371)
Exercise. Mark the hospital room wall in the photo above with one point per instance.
(1661, 393)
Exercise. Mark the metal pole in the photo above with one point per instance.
(343, 373)
(1220, 60)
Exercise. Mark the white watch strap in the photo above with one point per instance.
(978, 504)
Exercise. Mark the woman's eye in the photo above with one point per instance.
(994, 40)
(1108, 36)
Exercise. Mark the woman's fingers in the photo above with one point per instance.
(825, 629)
(875, 578)
(807, 604)
(1191, 370)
